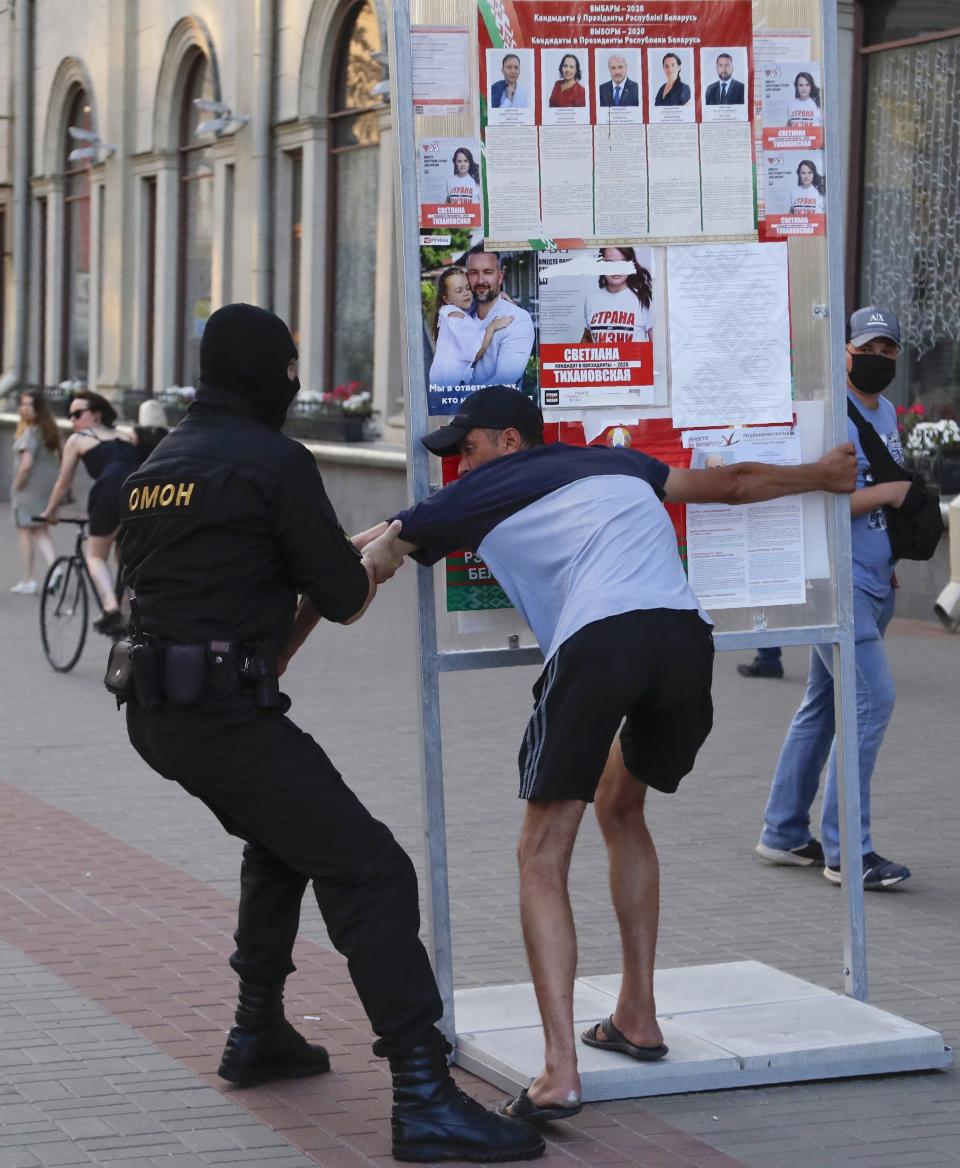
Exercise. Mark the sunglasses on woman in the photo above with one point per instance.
(74, 414)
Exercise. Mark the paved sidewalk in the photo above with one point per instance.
(118, 892)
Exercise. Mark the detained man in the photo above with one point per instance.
(580, 541)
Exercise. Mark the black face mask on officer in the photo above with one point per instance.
(246, 350)
(871, 372)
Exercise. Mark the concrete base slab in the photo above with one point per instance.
(738, 1024)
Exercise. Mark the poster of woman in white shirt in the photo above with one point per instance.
(792, 106)
(449, 183)
(796, 190)
(808, 195)
(620, 308)
(596, 327)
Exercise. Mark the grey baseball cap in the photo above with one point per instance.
(867, 323)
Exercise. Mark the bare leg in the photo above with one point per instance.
(98, 550)
(635, 889)
(43, 544)
(546, 845)
(25, 547)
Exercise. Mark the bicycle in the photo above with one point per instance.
(65, 603)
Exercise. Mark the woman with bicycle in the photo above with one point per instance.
(108, 456)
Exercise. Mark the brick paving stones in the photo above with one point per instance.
(117, 896)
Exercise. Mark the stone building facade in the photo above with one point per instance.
(276, 190)
(281, 191)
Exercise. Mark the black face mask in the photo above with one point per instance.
(246, 350)
(871, 373)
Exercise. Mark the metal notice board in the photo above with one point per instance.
(496, 145)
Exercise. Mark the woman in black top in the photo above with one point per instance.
(108, 458)
(673, 91)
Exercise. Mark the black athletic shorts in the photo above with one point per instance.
(650, 669)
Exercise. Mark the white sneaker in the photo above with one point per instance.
(25, 588)
(55, 580)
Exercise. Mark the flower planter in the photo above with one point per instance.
(325, 427)
(946, 473)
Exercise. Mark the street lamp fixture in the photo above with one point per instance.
(225, 117)
(94, 151)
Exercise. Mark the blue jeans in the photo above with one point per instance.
(810, 741)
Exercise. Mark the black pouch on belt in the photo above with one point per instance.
(184, 672)
(222, 677)
(119, 676)
(145, 658)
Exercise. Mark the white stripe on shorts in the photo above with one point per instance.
(538, 725)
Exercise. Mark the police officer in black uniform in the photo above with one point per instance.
(223, 526)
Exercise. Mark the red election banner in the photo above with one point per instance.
(559, 24)
(443, 216)
(780, 226)
(567, 369)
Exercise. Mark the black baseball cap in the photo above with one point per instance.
(494, 407)
(868, 323)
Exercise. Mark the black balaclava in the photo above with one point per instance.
(245, 350)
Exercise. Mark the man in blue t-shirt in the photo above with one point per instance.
(579, 540)
(872, 351)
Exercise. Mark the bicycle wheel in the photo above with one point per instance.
(63, 613)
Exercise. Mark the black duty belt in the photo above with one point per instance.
(164, 672)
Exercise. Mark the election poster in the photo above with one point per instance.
(729, 334)
(441, 69)
(596, 327)
(478, 318)
(751, 555)
(616, 121)
(793, 179)
(449, 183)
(796, 189)
(792, 106)
(771, 48)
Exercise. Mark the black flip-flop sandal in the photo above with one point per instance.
(619, 1042)
(523, 1107)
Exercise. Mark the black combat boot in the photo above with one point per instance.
(263, 1045)
(434, 1120)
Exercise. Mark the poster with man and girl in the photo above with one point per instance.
(478, 316)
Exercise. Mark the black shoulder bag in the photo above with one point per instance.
(914, 527)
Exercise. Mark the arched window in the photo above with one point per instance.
(75, 333)
(354, 199)
(195, 224)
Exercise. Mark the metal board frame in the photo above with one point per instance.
(433, 661)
